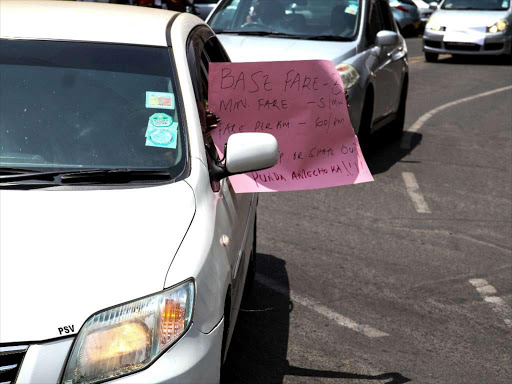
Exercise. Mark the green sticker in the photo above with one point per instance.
(161, 120)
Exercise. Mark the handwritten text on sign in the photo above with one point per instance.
(301, 103)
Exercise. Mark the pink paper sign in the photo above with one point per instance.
(301, 103)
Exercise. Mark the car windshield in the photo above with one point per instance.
(70, 105)
(318, 19)
(487, 5)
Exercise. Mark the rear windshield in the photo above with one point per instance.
(489, 5)
(326, 19)
(84, 105)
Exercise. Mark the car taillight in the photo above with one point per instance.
(402, 8)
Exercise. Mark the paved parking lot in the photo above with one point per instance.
(408, 278)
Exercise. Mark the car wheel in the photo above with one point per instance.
(431, 57)
(397, 126)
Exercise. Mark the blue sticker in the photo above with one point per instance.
(162, 137)
(160, 100)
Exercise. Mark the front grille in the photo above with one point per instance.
(462, 47)
(433, 44)
(494, 46)
(10, 362)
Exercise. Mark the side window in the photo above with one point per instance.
(387, 16)
(374, 24)
(200, 55)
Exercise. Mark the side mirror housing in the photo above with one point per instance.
(433, 5)
(246, 152)
(386, 38)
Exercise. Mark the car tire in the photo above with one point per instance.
(431, 57)
(397, 126)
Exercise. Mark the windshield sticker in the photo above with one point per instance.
(160, 120)
(162, 137)
(161, 100)
(351, 9)
(504, 4)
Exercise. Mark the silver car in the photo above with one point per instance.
(204, 7)
(469, 27)
(407, 16)
(360, 37)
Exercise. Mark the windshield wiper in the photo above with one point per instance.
(77, 176)
(261, 33)
(325, 38)
(14, 170)
(113, 175)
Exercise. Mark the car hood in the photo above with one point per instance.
(467, 18)
(66, 254)
(258, 48)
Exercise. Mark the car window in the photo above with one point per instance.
(200, 55)
(387, 16)
(375, 23)
(84, 105)
(302, 18)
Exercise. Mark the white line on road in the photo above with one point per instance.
(498, 304)
(340, 319)
(408, 134)
(413, 190)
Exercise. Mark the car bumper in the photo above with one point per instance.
(495, 44)
(195, 358)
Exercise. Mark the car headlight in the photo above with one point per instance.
(434, 25)
(349, 75)
(126, 338)
(499, 26)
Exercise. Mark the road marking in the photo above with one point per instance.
(408, 134)
(311, 304)
(497, 303)
(413, 189)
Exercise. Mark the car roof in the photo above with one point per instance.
(83, 21)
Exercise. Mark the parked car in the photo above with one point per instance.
(124, 249)
(204, 7)
(425, 11)
(407, 16)
(360, 37)
(469, 27)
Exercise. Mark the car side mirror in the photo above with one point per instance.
(386, 38)
(433, 5)
(246, 152)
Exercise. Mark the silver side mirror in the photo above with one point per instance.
(433, 5)
(386, 38)
(246, 152)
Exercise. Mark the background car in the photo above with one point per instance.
(425, 11)
(469, 27)
(359, 37)
(407, 16)
(204, 7)
(140, 247)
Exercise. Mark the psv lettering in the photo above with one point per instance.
(66, 329)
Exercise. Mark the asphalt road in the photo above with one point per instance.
(408, 278)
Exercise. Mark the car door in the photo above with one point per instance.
(233, 210)
(387, 71)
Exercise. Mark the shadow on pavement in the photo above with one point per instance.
(258, 351)
(384, 150)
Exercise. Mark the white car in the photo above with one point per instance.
(124, 249)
